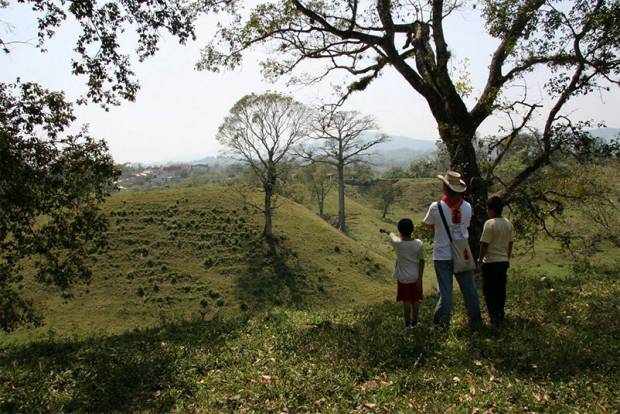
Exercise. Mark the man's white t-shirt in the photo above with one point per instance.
(441, 248)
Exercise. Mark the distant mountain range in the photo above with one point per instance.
(400, 150)
(397, 151)
(606, 133)
(214, 161)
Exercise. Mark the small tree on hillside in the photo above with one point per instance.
(260, 131)
(423, 167)
(321, 180)
(340, 144)
(386, 192)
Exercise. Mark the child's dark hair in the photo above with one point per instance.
(405, 227)
(496, 204)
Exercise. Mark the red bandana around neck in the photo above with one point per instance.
(455, 207)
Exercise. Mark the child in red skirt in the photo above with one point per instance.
(408, 270)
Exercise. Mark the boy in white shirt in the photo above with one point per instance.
(408, 270)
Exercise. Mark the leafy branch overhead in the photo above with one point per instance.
(51, 182)
(51, 185)
(100, 55)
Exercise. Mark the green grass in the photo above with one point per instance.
(190, 312)
(363, 216)
(558, 353)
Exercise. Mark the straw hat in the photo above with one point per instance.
(453, 180)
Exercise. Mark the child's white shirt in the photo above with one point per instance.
(409, 253)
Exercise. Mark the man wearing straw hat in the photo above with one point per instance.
(457, 214)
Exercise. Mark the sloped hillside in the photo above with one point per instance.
(193, 253)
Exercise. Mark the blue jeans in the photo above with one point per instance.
(444, 271)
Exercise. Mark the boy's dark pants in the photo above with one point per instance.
(494, 277)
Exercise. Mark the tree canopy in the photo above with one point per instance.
(576, 41)
(51, 181)
(261, 131)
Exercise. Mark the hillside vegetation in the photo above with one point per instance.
(187, 253)
(557, 353)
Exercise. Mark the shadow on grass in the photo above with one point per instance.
(149, 370)
(558, 329)
(568, 334)
(272, 278)
(552, 334)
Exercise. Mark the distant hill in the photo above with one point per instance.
(399, 142)
(214, 161)
(400, 150)
(606, 133)
(397, 151)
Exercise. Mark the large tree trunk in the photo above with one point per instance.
(268, 187)
(342, 225)
(459, 142)
(268, 231)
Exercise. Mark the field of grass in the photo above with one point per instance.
(189, 312)
(363, 216)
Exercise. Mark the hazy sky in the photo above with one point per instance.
(178, 109)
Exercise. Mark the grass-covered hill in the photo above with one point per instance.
(363, 213)
(186, 253)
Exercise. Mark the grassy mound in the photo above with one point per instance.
(193, 253)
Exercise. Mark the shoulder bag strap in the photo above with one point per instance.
(443, 218)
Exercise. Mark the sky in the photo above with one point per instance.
(178, 109)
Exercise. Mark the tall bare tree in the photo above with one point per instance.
(339, 141)
(261, 130)
(576, 41)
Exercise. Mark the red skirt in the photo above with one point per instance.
(409, 292)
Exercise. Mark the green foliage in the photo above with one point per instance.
(50, 188)
(100, 56)
(424, 167)
(386, 192)
(51, 183)
(574, 204)
(321, 180)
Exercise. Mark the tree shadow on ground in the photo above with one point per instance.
(545, 341)
(551, 335)
(148, 370)
(272, 277)
(560, 329)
